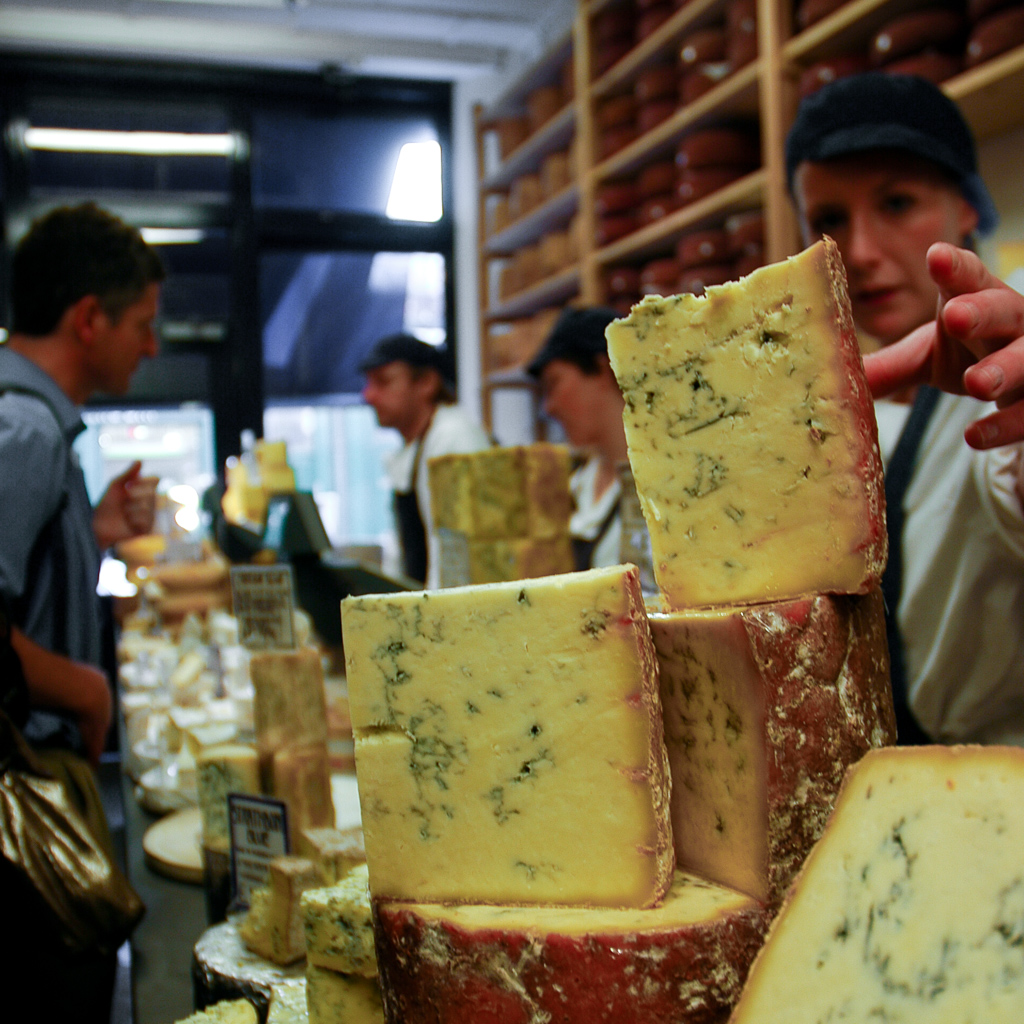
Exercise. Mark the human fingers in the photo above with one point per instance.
(1003, 427)
(958, 271)
(902, 364)
(999, 377)
(986, 320)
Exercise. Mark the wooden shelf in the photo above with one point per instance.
(552, 291)
(555, 213)
(735, 97)
(989, 95)
(696, 14)
(850, 28)
(655, 239)
(550, 138)
(544, 72)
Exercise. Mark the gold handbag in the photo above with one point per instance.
(51, 851)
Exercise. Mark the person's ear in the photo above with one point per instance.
(967, 221)
(84, 318)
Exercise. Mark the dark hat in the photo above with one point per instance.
(577, 337)
(876, 110)
(405, 348)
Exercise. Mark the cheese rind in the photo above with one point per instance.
(752, 437)
(683, 961)
(339, 927)
(911, 906)
(332, 997)
(508, 742)
(765, 706)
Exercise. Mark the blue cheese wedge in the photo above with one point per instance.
(229, 1011)
(339, 926)
(288, 1002)
(220, 770)
(509, 744)
(911, 906)
(332, 998)
(752, 437)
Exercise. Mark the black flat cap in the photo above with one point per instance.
(578, 336)
(405, 348)
(876, 110)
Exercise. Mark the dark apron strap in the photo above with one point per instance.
(583, 550)
(412, 533)
(898, 475)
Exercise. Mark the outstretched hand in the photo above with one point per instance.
(127, 509)
(975, 346)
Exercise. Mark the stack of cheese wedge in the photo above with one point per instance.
(577, 811)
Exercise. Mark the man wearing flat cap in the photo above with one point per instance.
(886, 165)
(408, 384)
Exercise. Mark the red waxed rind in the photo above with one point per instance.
(441, 972)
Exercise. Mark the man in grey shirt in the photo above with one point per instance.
(85, 289)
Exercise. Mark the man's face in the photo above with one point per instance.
(569, 397)
(396, 395)
(119, 346)
(884, 210)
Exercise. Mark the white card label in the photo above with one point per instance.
(263, 602)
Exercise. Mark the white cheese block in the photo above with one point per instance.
(752, 436)
(911, 906)
(288, 1003)
(230, 1011)
(339, 927)
(231, 768)
(289, 878)
(509, 743)
(332, 998)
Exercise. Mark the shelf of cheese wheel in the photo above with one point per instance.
(535, 758)
(502, 513)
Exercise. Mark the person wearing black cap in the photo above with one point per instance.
(409, 385)
(886, 165)
(581, 393)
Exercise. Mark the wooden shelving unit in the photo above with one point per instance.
(764, 91)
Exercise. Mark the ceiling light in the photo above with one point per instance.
(416, 186)
(172, 236)
(81, 140)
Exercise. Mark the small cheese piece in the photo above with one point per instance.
(339, 929)
(752, 436)
(332, 997)
(764, 708)
(290, 702)
(498, 561)
(911, 906)
(289, 878)
(334, 851)
(301, 777)
(682, 961)
(230, 1011)
(210, 734)
(288, 1003)
(254, 929)
(509, 744)
(231, 768)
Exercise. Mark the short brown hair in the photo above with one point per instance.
(74, 251)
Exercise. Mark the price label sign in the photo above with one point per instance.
(259, 833)
(263, 602)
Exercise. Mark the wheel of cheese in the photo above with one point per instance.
(657, 207)
(695, 280)
(615, 197)
(745, 231)
(742, 47)
(542, 104)
(623, 281)
(651, 114)
(657, 83)
(702, 79)
(978, 9)
(938, 28)
(696, 183)
(616, 111)
(613, 24)
(742, 15)
(567, 80)
(697, 247)
(525, 194)
(717, 147)
(659, 276)
(614, 139)
(994, 35)
(652, 19)
(656, 179)
(825, 71)
(931, 64)
(512, 132)
(683, 961)
(704, 46)
(608, 54)
(555, 174)
(610, 229)
(810, 11)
